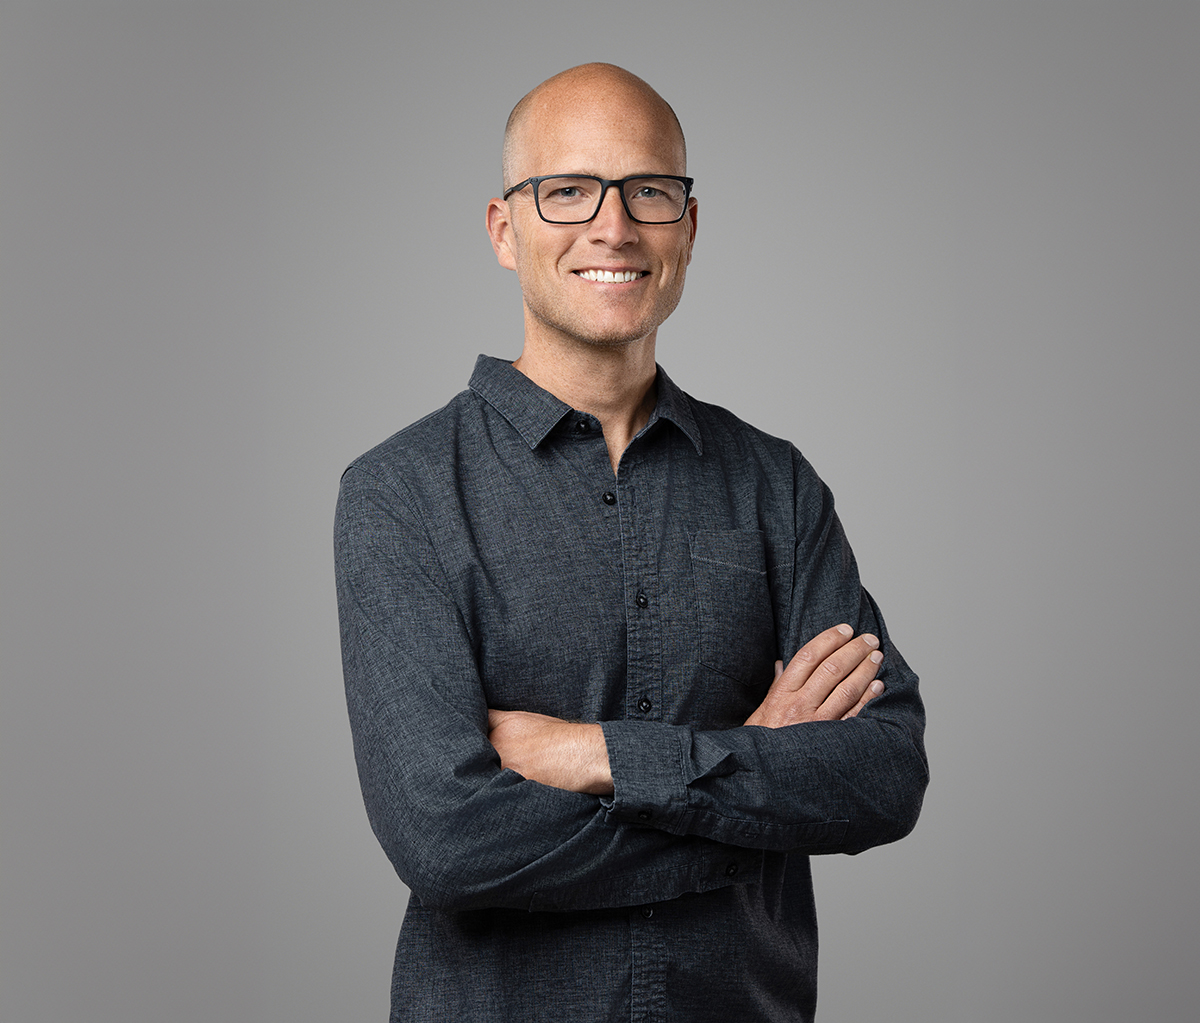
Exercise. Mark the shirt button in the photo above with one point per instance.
(644, 705)
(647, 912)
(583, 426)
(608, 497)
(641, 600)
(643, 815)
(731, 870)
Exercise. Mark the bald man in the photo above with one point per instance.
(567, 603)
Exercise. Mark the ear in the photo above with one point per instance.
(500, 231)
(690, 218)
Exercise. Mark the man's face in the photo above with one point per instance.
(611, 132)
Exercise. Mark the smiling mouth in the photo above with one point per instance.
(611, 276)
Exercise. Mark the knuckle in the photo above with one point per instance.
(805, 655)
(830, 669)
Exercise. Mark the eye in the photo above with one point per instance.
(566, 191)
(655, 191)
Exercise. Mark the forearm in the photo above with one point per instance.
(823, 786)
(838, 786)
(796, 776)
(567, 755)
(476, 836)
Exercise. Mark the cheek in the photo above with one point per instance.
(681, 264)
(680, 256)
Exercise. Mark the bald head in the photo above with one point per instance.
(568, 94)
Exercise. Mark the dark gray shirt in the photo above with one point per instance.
(488, 557)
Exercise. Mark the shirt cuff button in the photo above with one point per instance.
(731, 870)
(644, 815)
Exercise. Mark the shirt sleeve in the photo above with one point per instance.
(461, 832)
(838, 786)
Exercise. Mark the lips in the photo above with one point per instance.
(611, 276)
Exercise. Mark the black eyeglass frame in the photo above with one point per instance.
(605, 185)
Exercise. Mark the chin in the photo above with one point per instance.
(595, 331)
(612, 340)
(594, 336)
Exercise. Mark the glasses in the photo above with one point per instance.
(577, 198)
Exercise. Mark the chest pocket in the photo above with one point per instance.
(733, 605)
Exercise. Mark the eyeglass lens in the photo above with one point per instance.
(572, 200)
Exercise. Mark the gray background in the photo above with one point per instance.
(243, 242)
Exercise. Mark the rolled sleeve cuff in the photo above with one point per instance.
(647, 760)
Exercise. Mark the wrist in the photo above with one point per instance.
(595, 773)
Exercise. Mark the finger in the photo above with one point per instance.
(873, 690)
(837, 668)
(853, 690)
(810, 656)
(778, 668)
(789, 702)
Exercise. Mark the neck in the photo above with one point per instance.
(613, 383)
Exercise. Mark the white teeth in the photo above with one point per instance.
(609, 277)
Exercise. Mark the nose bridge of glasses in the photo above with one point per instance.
(621, 205)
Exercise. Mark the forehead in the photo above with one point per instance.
(607, 131)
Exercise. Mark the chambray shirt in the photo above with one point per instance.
(487, 556)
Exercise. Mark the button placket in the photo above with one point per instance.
(648, 962)
(639, 545)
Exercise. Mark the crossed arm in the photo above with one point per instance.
(831, 678)
(464, 833)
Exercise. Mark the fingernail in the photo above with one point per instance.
(877, 687)
(845, 630)
(870, 640)
(876, 657)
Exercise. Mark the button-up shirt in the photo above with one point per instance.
(487, 556)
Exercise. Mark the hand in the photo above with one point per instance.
(831, 678)
(565, 754)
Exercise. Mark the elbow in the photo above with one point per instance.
(446, 871)
(912, 779)
(904, 811)
(446, 888)
(888, 810)
(434, 883)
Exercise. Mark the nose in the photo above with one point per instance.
(611, 223)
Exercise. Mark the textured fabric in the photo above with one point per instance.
(487, 556)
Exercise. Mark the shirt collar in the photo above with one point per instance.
(534, 412)
(675, 405)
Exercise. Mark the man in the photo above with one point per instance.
(566, 602)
